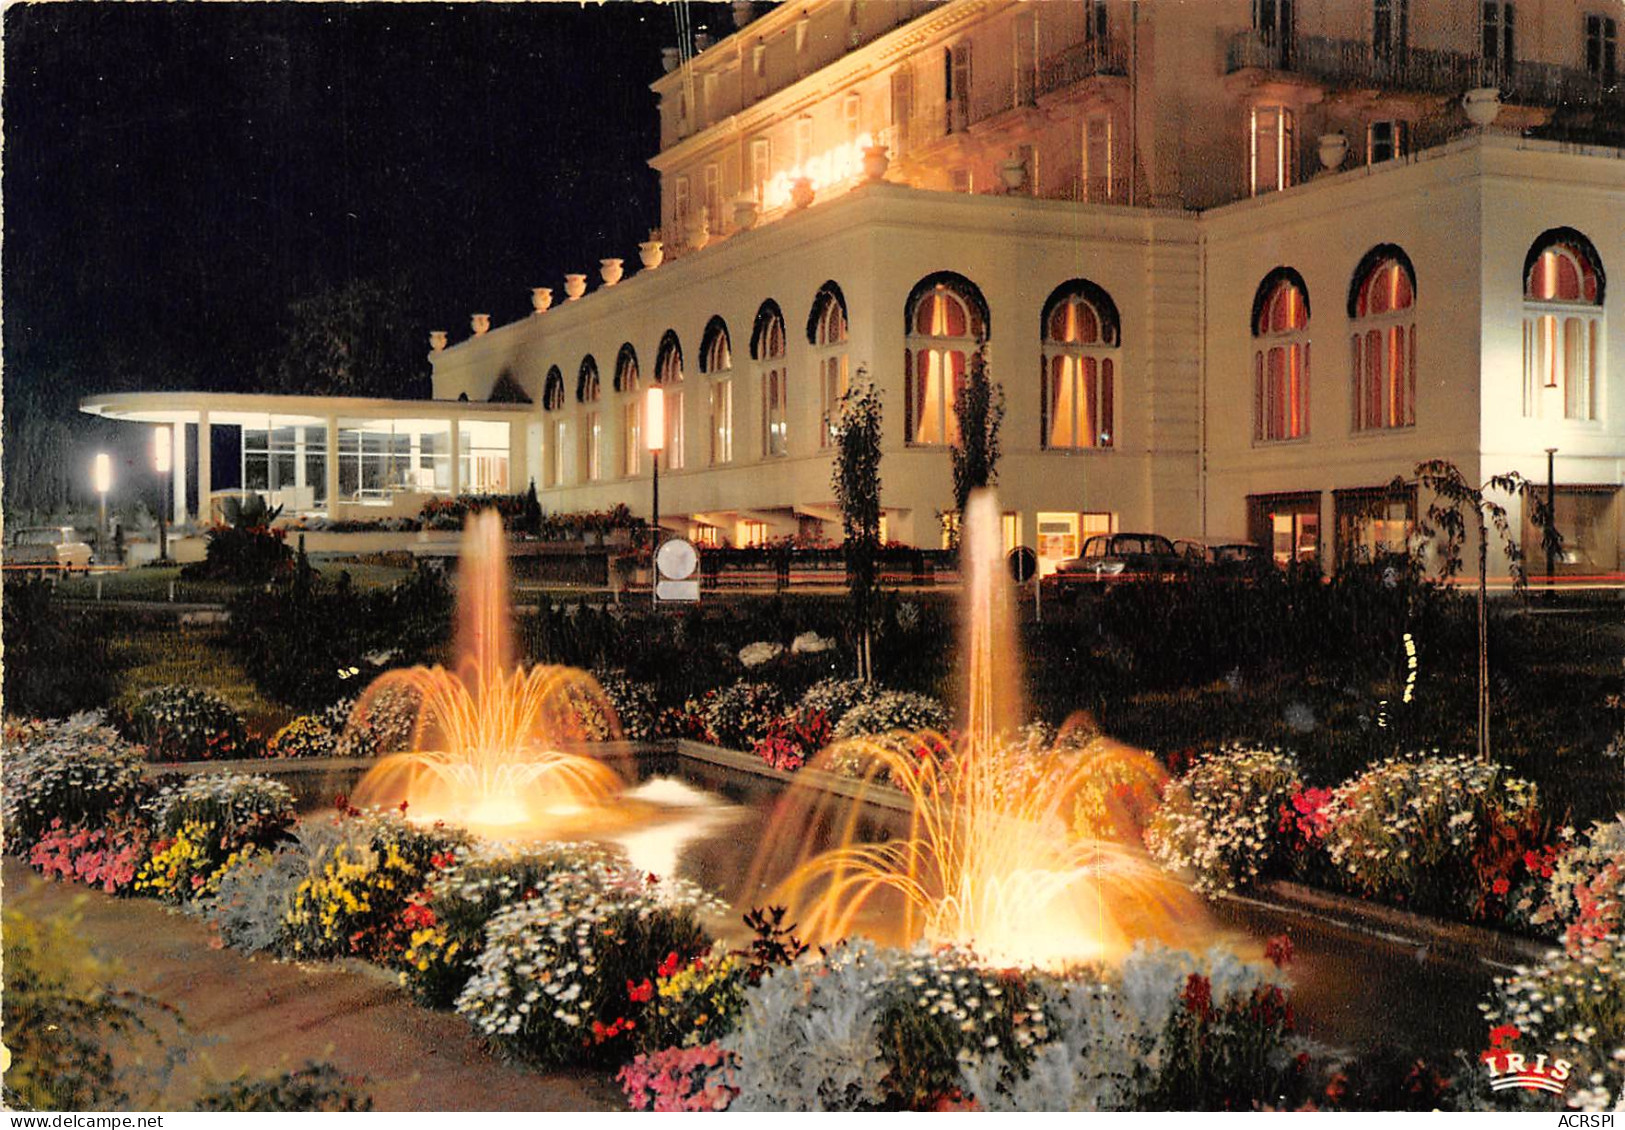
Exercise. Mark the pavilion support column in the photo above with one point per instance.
(456, 458)
(205, 469)
(179, 470)
(332, 466)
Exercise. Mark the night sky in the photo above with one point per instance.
(176, 174)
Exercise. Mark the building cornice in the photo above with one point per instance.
(856, 64)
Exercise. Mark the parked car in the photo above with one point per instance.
(1241, 560)
(1109, 558)
(48, 547)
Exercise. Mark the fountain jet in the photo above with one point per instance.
(486, 749)
(1028, 854)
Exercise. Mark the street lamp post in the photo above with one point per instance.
(1551, 515)
(162, 440)
(654, 433)
(104, 483)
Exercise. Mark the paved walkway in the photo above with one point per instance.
(258, 1015)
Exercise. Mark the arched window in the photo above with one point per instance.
(716, 359)
(627, 378)
(947, 317)
(627, 383)
(1281, 357)
(587, 381)
(669, 375)
(767, 350)
(1382, 300)
(592, 421)
(716, 350)
(1080, 368)
(826, 332)
(553, 390)
(1563, 285)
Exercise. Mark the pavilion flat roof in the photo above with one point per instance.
(241, 407)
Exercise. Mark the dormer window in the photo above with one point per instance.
(1386, 140)
(1272, 148)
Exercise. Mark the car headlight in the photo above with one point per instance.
(1111, 568)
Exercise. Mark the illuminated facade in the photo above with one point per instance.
(1236, 265)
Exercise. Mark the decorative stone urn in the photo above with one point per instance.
(1333, 148)
(574, 287)
(875, 162)
(669, 58)
(480, 323)
(698, 232)
(1013, 171)
(745, 213)
(651, 254)
(611, 270)
(1482, 104)
(744, 12)
(437, 340)
(801, 192)
(541, 297)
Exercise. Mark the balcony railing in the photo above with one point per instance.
(1080, 62)
(1017, 89)
(1355, 63)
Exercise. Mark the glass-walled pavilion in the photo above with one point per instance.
(338, 457)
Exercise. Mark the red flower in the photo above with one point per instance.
(1503, 1034)
(671, 965)
(403, 808)
(1198, 996)
(640, 994)
(1279, 950)
(342, 802)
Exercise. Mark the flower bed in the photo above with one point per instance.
(179, 722)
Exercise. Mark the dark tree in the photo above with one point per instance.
(1456, 503)
(856, 483)
(980, 410)
(362, 338)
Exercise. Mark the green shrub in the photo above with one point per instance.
(79, 771)
(1438, 834)
(892, 711)
(741, 715)
(306, 736)
(316, 1086)
(57, 662)
(446, 922)
(556, 980)
(1219, 821)
(186, 723)
(63, 1027)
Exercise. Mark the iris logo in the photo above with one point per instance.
(1510, 1070)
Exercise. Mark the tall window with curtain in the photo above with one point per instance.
(716, 361)
(767, 350)
(627, 387)
(1562, 327)
(592, 421)
(1081, 367)
(1383, 343)
(946, 317)
(1281, 358)
(827, 335)
(669, 375)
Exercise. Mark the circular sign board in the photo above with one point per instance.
(1023, 563)
(677, 559)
